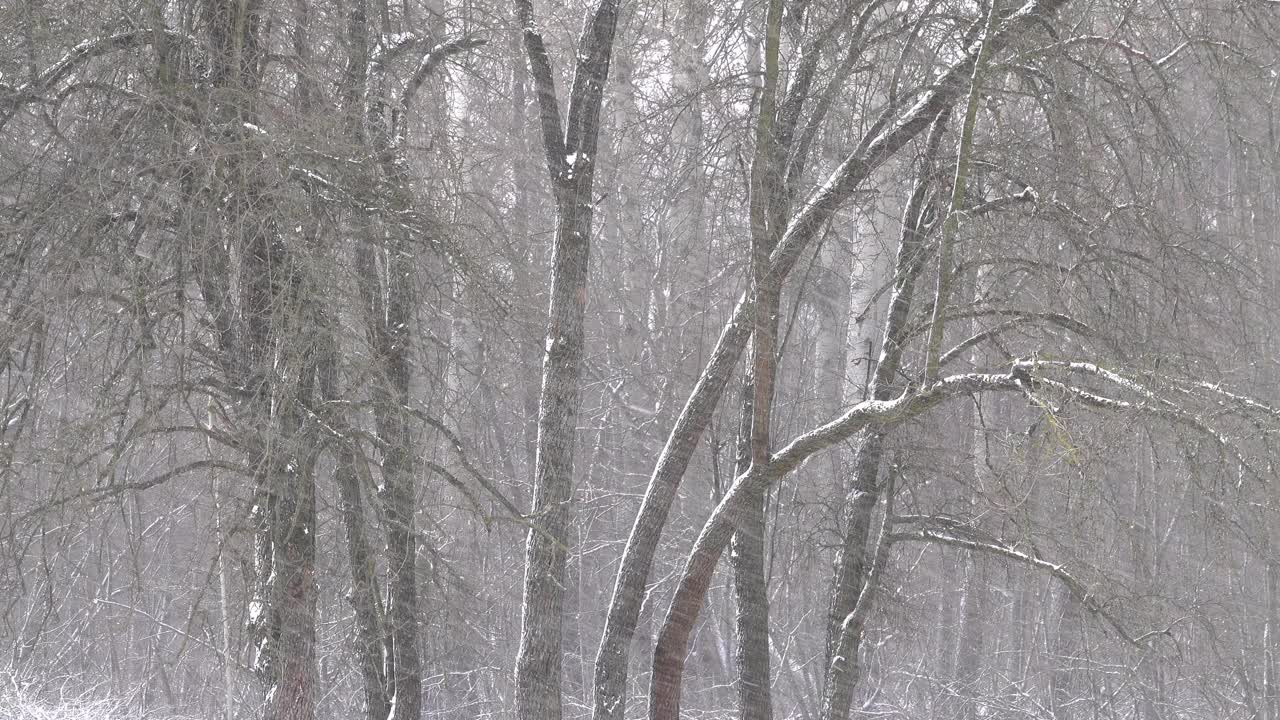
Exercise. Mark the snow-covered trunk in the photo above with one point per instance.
(813, 215)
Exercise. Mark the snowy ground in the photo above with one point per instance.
(19, 703)
(21, 707)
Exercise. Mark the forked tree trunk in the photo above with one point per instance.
(637, 560)
(571, 155)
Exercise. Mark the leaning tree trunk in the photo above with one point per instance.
(637, 561)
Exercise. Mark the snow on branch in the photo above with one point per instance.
(969, 539)
(1149, 402)
(891, 132)
(47, 81)
(432, 60)
(887, 412)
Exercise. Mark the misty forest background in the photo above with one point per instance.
(395, 359)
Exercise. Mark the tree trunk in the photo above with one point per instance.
(266, 352)
(751, 592)
(814, 213)
(388, 299)
(844, 639)
(969, 646)
(571, 156)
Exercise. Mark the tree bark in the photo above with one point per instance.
(669, 653)
(267, 356)
(813, 214)
(844, 640)
(751, 590)
(571, 155)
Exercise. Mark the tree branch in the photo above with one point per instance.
(1033, 559)
(432, 60)
(38, 87)
(545, 86)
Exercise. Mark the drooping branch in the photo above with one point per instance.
(1058, 319)
(672, 644)
(456, 443)
(971, 540)
(889, 137)
(431, 61)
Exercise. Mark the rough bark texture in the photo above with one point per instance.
(751, 590)
(571, 154)
(752, 594)
(844, 641)
(365, 597)
(750, 586)
(389, 306)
